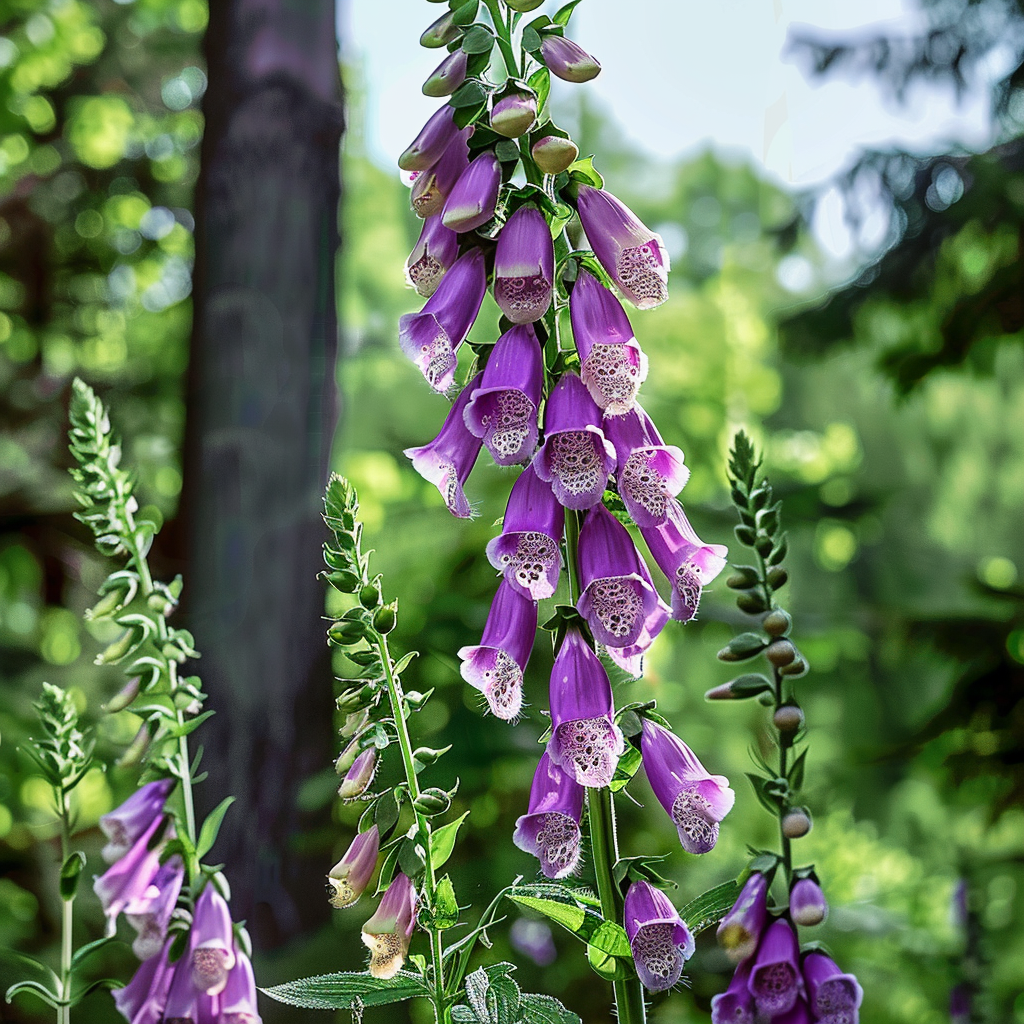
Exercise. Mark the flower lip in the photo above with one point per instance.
(213, 942)
(436, 251)
(833, 996)
(131, 877)
(736, 1004)
(348, 879)
(151, 914)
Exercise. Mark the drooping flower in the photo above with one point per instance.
(359, 776)
(496, 665)
(150, 915)
(568, 60)
(807, 905)
(735, 1005)
(633, 255)
(123, 825)
(513, 114)
(650, 473)
(432, 141)
(472, 200)
(585, 741)
(527, 550)
(143, 999)
(575, 458)
(740, 930)
(186, 1003)
(431, 188)
(447, 461)
(431, 337)
(130, 878)
(658, 937)
(550, 829)
(534, 939)
(388, 932)
(553, 154)
(503, 410)
(447, 76)
(524, 266)
(612, 364)
(695, 800)
(685, 559)
(834, 997)
(436, 251)
(212, 942)
(775, 981)
(348, 879)
(238, 1000)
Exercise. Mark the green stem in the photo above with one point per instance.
(66, 917)
(504, 38)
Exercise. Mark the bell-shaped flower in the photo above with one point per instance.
(695, 800)
(150, 915)
(359, 776)
(807, 905)
(436, 251)
(431, 337)
(568, 60)
(650, 473)
(524, 266)
(186, 1003)
(348, 879)
(432, 141)
(472, 200)
(550, 828)
(618, 599)
(834, 997)
(775, 981)
(735, 1005)
(658, 937)
(447, 76)
(213, 942)
(496, 665)
(612, 364)
(503, 410)
(130, 878)
(143, 999)
(585, 741)
(740, 930)
(123, 825)
(633, 255)
(388, 932)
(553, 154)
(238, 1000)
(431, 188)
(527, 550)
(513, 114)
(685, 559)
(575, 458)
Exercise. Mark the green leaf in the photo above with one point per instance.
(469, 94)
(338, 991)
(403, 663)
(445, 912)
(387, 869)
(609, 967)
(442, 841)
(759, 783)
(627, 767)
(506, 151)
(542, 1009)
(796, 773)
(70, 873)
(211, 826)
(477, 40)
(709, 907)
(83, 954)
(531, 39)
(587, 926)
(540, 83)
(186, 728)
(465, 14)
(563, 14)
(36, 989)
(78, 993)
(385, 811)
(585, 171)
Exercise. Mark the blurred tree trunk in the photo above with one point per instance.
(261, 414)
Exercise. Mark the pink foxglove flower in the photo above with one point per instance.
(150, 915)
(524, 266)
(775, 981)
(550, 829)
(130, 878)
(359, 777)
(472, 200)
(123, 825)
(735, 1005)
(348, 879)
(432, 141)
(658, 937)
(238, 1000)
(807, 905)
(143, 999)
(388, 932)
(568, 60)
(740, 930)
(431, 188)
(432, 258)
(212, 942)
(834, 997)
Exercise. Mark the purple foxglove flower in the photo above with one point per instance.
(735, 1005)
(513, 114)
(238, 1000)
(348, 879)
(149, 916)
(130, 878)
(496, 665)
(650, 472)
(585, 741)
(432, 141)
(695, 800)
(447, 76)
(213, 942)
(142, 1000)
(799, 1014)
(550, 829)
(568, 60)
(527, 550)
(388, 932)
(658, 937)
(834, 997)
(472, 200)
(618, 601)
(807, 904)
(685, 559)
(123, 825)
(575, 458)
(534, 939)
(182, 1005)
(524, 266)
(435, 252)
(775, 981)
(360, 775)
(431, 188)
(553, 154)
(502, 411)
(612, 364)
(740, 929)
(633, 255)
(431, 337)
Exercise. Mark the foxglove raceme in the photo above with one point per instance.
(513, 114)
(658, 937)
(527, 549)
(740, 929)
(431, 337)
(524, 266)
(735, 1005)
(388, 932)
(143, 999)
(123, 825)
(585, 741)
(807, 904)
(348, 879)
(472, 200)
(568, 60)
(695, 800)
(432, 141)
(150, 915)
(447, 76)
(575, 458)
(633, 255)
(431, 188)
(495, 667)
(130, 878)
(550, 829)
(434, 254)
(503, 410)
(212, 942)
(612, 364)
(834, 997)
(360, 775)
(238, 1000)
(775, 981)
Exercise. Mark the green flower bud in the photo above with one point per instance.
(369, 596)
(743, 578)
(432, 801)
(123, 697)
(384, 618)
(740, 688)
(777, 623)
(346, 632)
(777, 577)
(553, 154)
(752, 602)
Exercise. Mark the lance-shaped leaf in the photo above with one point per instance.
(339, 991)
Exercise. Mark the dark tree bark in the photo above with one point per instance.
(260, 421)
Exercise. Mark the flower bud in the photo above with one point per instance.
(432, 801)
(358, 778)
(777, 577)
(807, 904)
(513, 114)
(743, 578)
(369, 596)
(553, 154)
(568, 60)
(447, 76)
(123, 697)
(433, 139)
(385, 616)
(780, 653)
(788, 718)
(105, 607)
(739, 688)
(796, 824)
(472, 200)
(136, 749)
(441, 32)
(740, 929)
(118, 649)
(752, 602)
(349, 878)
(798, 667)
(777, 622)
(347, 631)
(429, 755)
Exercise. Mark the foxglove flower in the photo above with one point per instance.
(575, 458)
(360, 775)
(433, 139)
(633, 255)
(568, 60)
(447, 76)
(524, 266)
(775, 981)
(348, 879)
(658, 937)
(502, 411)
(685, 559)
(435, 252)
(143, 999)
(650, 473)
(550, 829)
(388, 932)
(238, 1000)
(834, 997)
(513, 114)
(130, 878)
(534, 939)
(431, 337)
(799, 1014)
(496, 665)
(150, 915)
(612, 364)
(735, 1005)
(740, 929)
(553, 154)
(695, 800)
(123, 825)
(431, 188)
(187, 1004)
(212, 942)
(618, 600)
(472, 200)
(807, 904)
(585, 741)
(527, 549)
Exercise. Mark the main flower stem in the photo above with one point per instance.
(67, 917)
